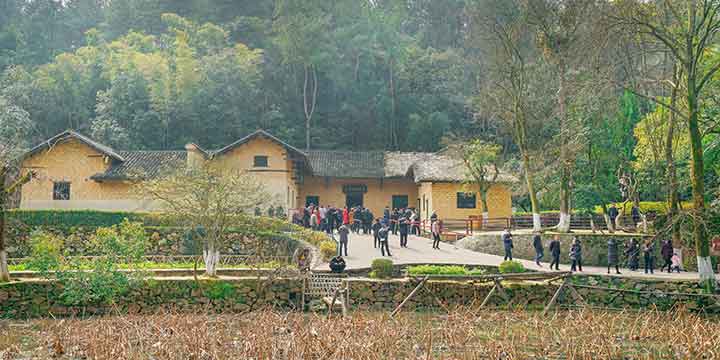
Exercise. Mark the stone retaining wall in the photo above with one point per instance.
(43, 298)
(40, 298)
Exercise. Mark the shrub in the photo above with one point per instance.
(46, 252)
(511, 267)
(382, 268)
(328, 249)
(103, 281)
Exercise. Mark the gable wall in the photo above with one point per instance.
(277, 177)
(74, 162)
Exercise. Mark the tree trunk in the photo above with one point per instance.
(673, 196)
(4, 272)
(565, 161)
(485, 213)
(393, 119)
(211, 256)
(702, 244)
(537, 224)
(309, 101)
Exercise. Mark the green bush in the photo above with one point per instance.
(443, 270)
(511, 267)
(75, 218)
(46, 252)
(328, 249)
(99, 280)
(382, 268)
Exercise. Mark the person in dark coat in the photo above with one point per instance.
(649, 256)
(667, 252)
(384, 243)
(576, 255)
(404, 225)
(507, 243)
(537, 244)
(635, 212)
(376, 230)
(394, 217)
(386, 215)
(632, 253)
(555, 252)
(343, 231)
(613, 213)
(613, 255)
(330, 220)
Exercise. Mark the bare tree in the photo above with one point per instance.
(14, 126)
(567, 36)
(509, 93)
(207, 200)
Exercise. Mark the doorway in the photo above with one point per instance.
(353, 199)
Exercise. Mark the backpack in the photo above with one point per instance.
(382, 234)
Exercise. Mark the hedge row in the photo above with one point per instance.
(77, 218)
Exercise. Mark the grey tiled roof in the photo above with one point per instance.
(71, 134)
(144, 165)
(444, 168)
(347, 164)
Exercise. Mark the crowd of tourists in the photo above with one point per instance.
(632, 252)
(346, 220)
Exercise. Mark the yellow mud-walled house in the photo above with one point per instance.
(73, 171)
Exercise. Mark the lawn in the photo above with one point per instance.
(462, 334)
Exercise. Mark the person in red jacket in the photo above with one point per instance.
(346, 216)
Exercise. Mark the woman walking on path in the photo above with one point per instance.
(555, 252)
(576, 256)
(649, 256)
(613, 256)
(435, 229)
(667, 252)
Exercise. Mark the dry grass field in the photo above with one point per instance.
(464, 334)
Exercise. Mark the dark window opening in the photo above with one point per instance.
(260, 161)
(466, 200)
(354, 199)
(61, 190)
(399, 201)
(312, 200)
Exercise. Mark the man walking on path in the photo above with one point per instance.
(576, 255)
(376, 232)
(507, 243)
(633, 255)
(344, 231)
(383, 234)
(667, 252)
(537, 244)
(555, 252)
(613, 256)
(404, 229)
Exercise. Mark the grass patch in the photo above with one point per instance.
(449, 270)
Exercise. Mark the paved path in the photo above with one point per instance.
(361, 254)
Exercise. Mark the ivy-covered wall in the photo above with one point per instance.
(77, 228)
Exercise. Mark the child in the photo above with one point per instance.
(675, 263)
